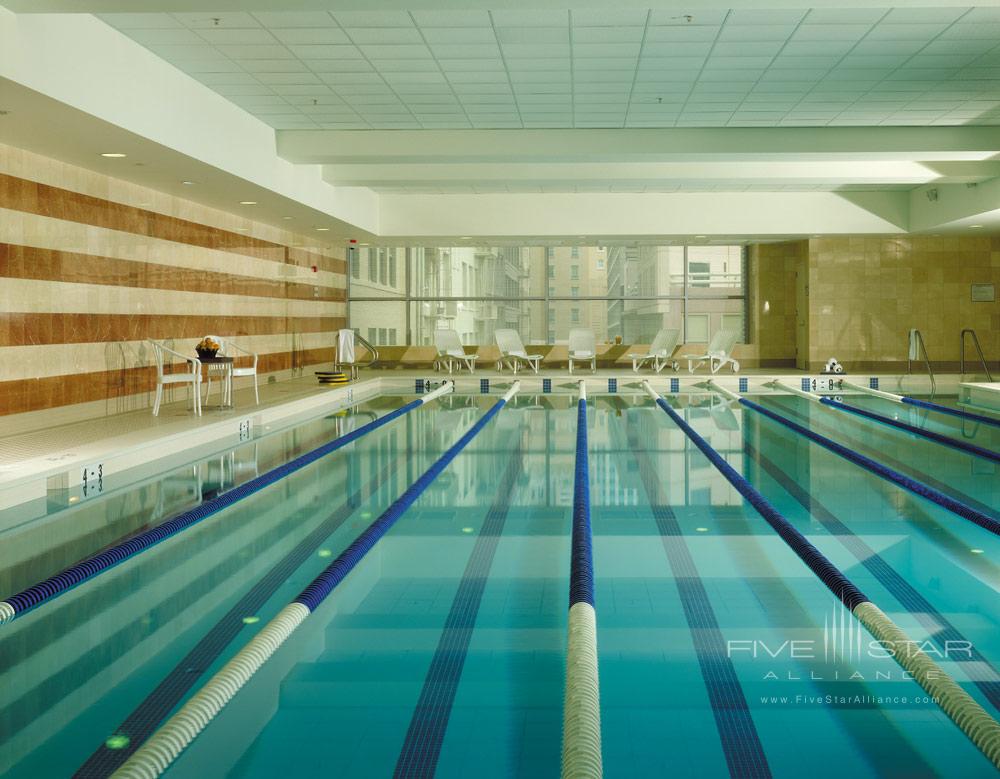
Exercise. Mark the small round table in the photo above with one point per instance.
(226, 393)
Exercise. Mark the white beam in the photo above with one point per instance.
(635, 215)
(640, 145)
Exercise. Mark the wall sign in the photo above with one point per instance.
(984, 293)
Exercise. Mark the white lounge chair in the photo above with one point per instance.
(660, 352)
(718, 353)
(512, 351)
(450, 352)
(582, 348)
(192, 377)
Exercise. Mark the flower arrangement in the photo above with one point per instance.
(207, 347)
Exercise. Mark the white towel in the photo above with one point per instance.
(345, 347)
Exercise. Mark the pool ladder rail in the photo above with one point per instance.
(915, 348)
(979, 351)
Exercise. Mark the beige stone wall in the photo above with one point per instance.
(865, 293)
(771, 301)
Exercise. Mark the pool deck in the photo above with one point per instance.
(37, 458)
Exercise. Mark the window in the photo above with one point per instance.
(574, 252)
(628, 291)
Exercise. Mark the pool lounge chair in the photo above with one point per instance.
(512, 352)
(718, 353)
(582, 348)
(450, 352)
(660, 352)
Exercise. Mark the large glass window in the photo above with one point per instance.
(402, 295)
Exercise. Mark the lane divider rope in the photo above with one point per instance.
(917, 487)
(971, 718)
(955, 412)
(825, 400)
(46, 590)
(581, 748)
(931, 435)
(167, 743)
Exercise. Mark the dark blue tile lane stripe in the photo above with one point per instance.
(148, 715)
(741, 744)
(425, 735)
(938, 626)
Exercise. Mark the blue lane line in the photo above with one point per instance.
(964, 446)
(317, 591)
(147, 716)
(581, 575)
(741, 743)
(425, 735)
(953, 411)
(75, 575)
(842, 587)
(939, 628)
(914, 486)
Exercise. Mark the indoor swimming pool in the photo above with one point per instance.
(443, 651)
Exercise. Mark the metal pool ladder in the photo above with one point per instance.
(916, 347)
(979, 351)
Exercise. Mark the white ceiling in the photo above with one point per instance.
(590, 68)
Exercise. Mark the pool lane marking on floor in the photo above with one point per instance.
(75, 575)
(926, 404)
(939, 628)
(144, 719)
(421, 748)
(886, 458)
(971, 718)
(930, 435)
(915, 486)
(156, 755)
(581, 738)
(740, 741)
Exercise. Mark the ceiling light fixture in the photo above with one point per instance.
(286, 217)
(188, 183)
(323, 229)
(113, 154)
(248, 202)
(975, 227)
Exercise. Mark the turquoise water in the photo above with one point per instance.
(698, 601)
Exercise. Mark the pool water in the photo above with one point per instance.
(443, 652)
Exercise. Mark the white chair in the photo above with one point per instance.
(660, 352)
(450, 352)
(718, 353)
(582, 348)
(193, 377)
(512, 351)
(229, 372)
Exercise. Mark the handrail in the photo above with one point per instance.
(916, 339)
(979, 350)
(370, 348)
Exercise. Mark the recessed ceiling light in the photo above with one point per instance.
(114, 154)
(248, 202)
(188, 183)
(974, 227)
(286, 217)
(463, 237)
(702, 529)
(323, 229)
(976, 551)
